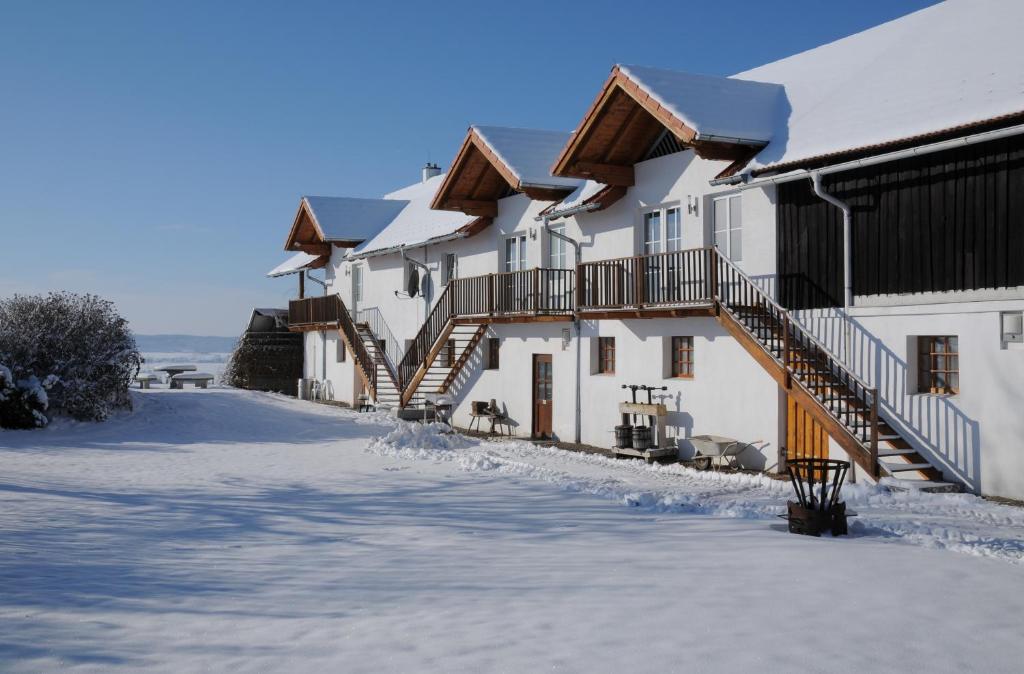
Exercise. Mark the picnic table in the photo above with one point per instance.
(198, 379)
(172, 370)
(145, 379)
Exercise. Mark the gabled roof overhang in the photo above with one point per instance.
(479, 177)
(307, 236)
(624, 122)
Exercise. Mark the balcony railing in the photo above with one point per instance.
(534, 291)
(314, 311)
(677, 278)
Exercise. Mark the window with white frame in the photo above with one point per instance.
(652, 232)
(357, 284)
(515, 253)
(729, 227)
(449, 269)
(557, 258)
(662, 230)
(673, 230)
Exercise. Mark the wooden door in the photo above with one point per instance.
(542, 395)
(805, 437)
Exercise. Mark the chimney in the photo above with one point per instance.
(430, 170)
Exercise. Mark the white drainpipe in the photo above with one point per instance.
(323, 333)
(546, 219)
(819, 189)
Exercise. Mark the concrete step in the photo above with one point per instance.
(903, 467)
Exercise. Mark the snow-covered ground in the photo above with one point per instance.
(223, 530)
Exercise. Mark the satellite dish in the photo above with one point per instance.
(414, 281)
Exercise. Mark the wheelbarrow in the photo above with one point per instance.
(712, 447)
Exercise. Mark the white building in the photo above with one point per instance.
(715, 260)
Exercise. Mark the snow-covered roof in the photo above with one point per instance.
(351, 219)
(528, 153)
(579, 196)
(415, 223)
(293, 264)
(954, 64)
(727, 108)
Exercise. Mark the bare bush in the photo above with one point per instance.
(73, 350)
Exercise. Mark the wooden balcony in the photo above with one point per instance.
(314, 313)
(513, 296)
(665, 284)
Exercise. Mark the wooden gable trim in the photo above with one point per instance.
(569, 164)
(304, 215)
(472, 144)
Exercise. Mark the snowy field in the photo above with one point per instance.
(222, 530)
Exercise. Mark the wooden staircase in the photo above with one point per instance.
(386, 392)
(844, 404)
(467, 351)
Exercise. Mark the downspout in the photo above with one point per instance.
(576, 319)
(847, 266)
(323, 333)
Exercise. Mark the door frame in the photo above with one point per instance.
(539, 358)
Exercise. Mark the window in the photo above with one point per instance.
(357, 284)
(682, 357)
(673, 230)
(606, 355)
(652, 233)
(556, 249)
(449, 353)
(340, 357)
(938, 365)
(449, 269)
(515, 253)
(493, 344)
(729, 227)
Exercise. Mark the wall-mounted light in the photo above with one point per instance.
(691, 204)
(533, 234)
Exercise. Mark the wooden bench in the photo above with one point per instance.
(198, 379)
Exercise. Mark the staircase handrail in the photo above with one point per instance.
(797, 327)
(379, 328)
(416, 355)
(355, 342)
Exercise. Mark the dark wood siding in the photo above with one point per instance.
(947, 221)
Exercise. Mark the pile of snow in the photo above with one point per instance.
(959, 522)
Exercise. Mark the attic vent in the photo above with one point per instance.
(667, 143)
(509, 191)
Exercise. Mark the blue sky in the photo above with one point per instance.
(154, 152)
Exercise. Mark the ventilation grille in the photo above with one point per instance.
(667, 143)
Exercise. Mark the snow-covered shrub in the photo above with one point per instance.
(66, 352)
(23, 403)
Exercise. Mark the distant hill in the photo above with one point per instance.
(185, 343)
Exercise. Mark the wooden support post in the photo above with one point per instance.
(535, 301)
(490, 294)
(302, 284)
(639, 279)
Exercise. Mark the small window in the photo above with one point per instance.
(673, 230)
(449, 353)
(606, 355)
(729, 227)
(450, 267)
(652, 233)
(493, 344)
(938, 365)
(515, 253)
(340, 357)
(357, 284)
(682, 357)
